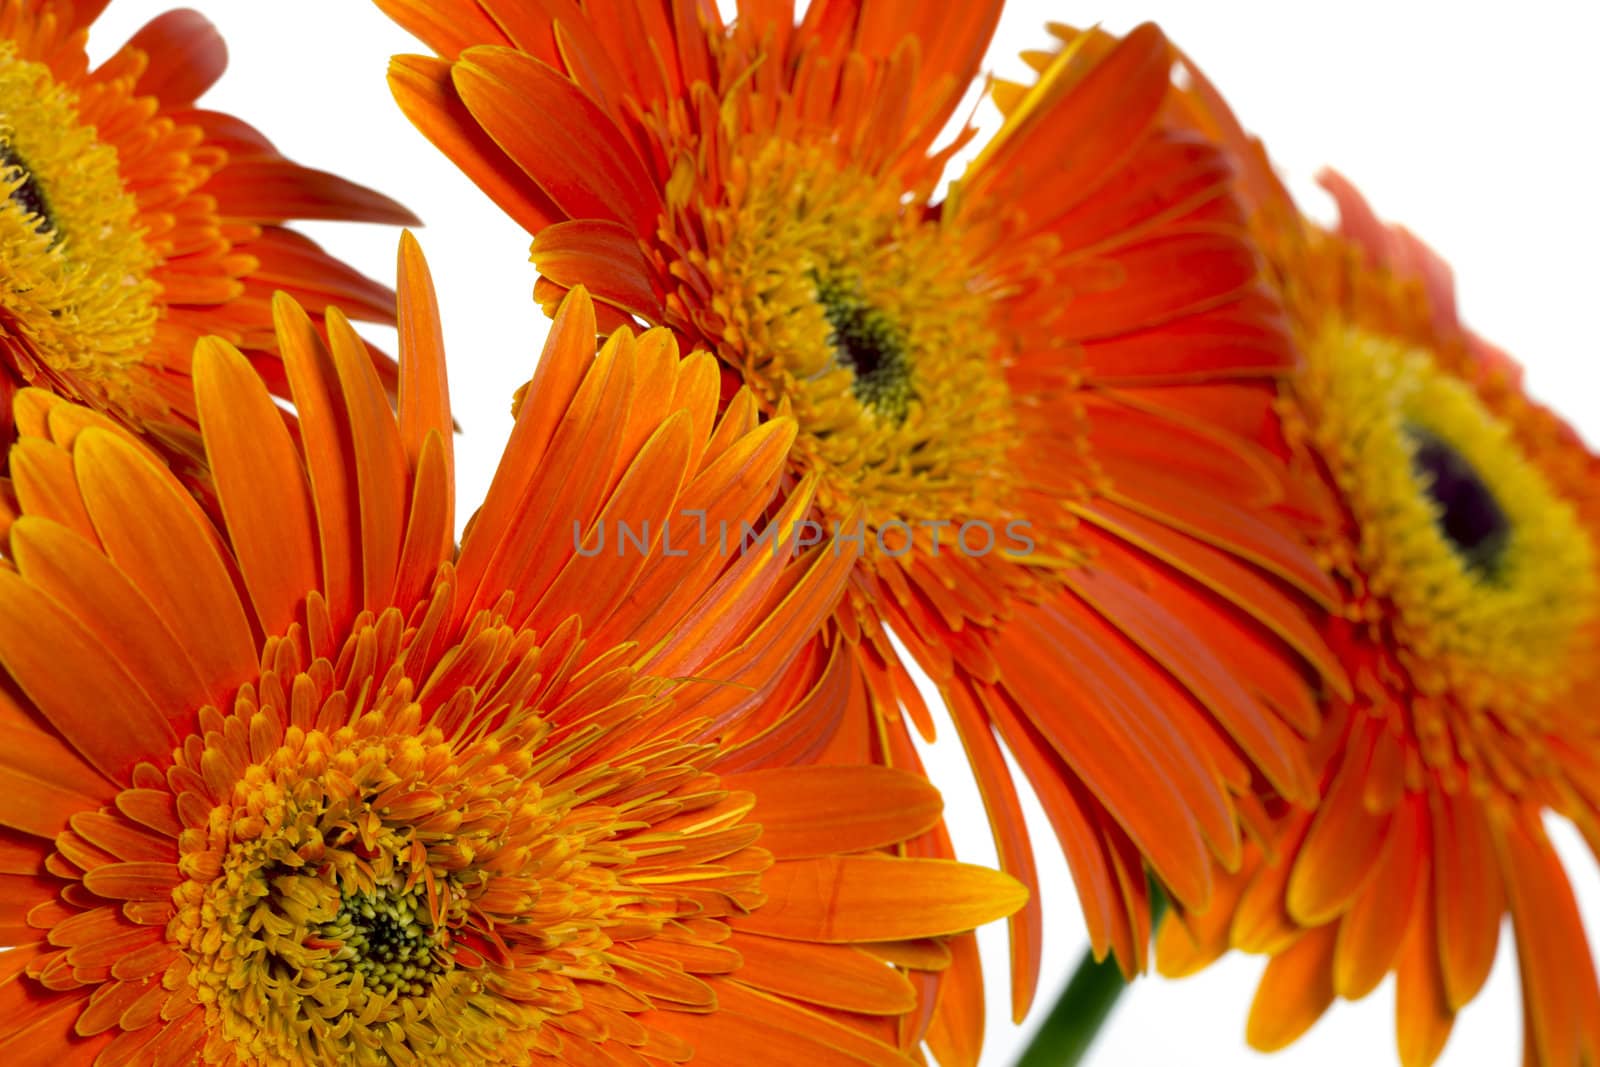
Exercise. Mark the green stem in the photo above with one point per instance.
(1076, 1018)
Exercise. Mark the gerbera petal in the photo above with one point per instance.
(1062, 125)
(1339, 853)
(1373, 932)
(276, 190)
(446, 26)
(97, 707)
(503, 89)
(835, 976)
(1125, 760)
(1560, 999)
(1294, 992)
(1006, 823)
(382, 474)
(952, 46)
(424, 402)
(747, 1019)
(319, 406)
(1469, 896)
(429, 534)
(806, 812)
(955, 1035)
(422, 87)
(74, 573)
(837, 899)
(41, 476)
(186, 53)
(568, 356)
(169, 551)
(603, 255)
(288, 262)
(1423, 1018)
(261, 485)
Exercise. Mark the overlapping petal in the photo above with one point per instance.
(295, 780)
(1058, 342)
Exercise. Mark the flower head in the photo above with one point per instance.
(302, 784)
(1019, 385)
(1461, 522)
(132, 222)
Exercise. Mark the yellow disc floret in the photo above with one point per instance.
(851, 309)
(76, 304)
(375, 886)
(1489, 572)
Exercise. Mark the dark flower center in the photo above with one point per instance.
(872, 346)
(1469, 514)
(388, 939)
(28, 194)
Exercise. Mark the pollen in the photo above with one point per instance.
(77, 305)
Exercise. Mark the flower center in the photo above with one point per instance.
(386, 937)
(850, 307)
(78, 307)
(871, 346)
(1487, 573)
(330, 901)
(25, 191)
(1468, 513)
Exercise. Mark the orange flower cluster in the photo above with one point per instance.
(1215, 524)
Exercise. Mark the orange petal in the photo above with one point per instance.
(559, 136)
(787, 1034)
(1294, 992)
(383, 478)
(832, 976)
(1372, 933)
(1423, 1018)
(101, 598)
(821, 811)
(1469, 896)
(89, 698)
(1560, 998)
(879, 898)
(606, 257)
(1341, 850)
(319, 405)
(187, 55)
(424, 391)
(446, 26)
(261, 484)
(158, 536)
(422, 87)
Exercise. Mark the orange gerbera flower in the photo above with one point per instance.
(134, 223)
(307, 786)
(1019, 384)
(1462, 522)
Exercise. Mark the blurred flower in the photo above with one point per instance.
(1460, 519)
(308, 786)
(134, 223)
(1041, 351)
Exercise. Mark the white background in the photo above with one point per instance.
(1472, 122)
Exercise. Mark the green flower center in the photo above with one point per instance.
(387, 938)
(871, 345)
